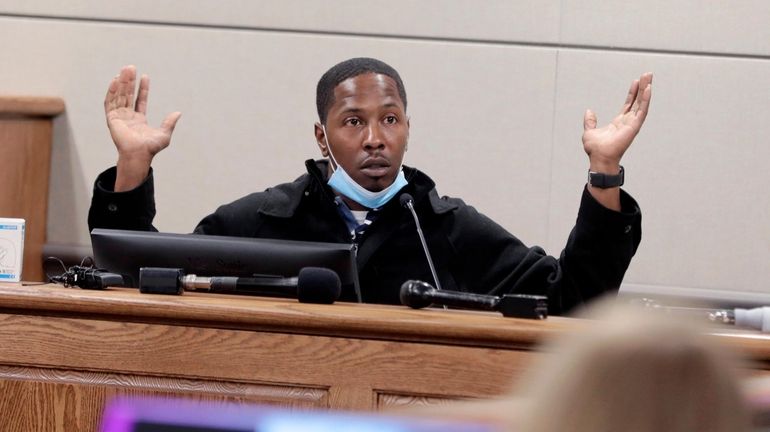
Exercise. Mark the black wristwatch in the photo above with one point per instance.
(605, 181)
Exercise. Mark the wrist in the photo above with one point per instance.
(131, 172)
(606, 166)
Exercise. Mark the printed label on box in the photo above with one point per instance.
(11, 249)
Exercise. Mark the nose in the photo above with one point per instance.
(373, 140)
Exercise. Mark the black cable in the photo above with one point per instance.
(84, 276)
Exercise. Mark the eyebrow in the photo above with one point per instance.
(351, 110)
(355, 110)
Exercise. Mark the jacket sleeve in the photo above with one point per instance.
(598, 251)
(236, 219)
(130, 210)
(597, 254)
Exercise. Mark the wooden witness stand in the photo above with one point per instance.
(64, 352)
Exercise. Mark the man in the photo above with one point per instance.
(353, 196)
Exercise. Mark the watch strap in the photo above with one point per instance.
(605, 181)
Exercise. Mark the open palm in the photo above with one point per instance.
(127, 119)
(608, 143)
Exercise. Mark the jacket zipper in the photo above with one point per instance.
(354, 243)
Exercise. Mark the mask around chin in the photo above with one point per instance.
(341, 182)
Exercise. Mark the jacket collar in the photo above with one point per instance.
(285, 198)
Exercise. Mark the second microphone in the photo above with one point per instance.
(312, 285)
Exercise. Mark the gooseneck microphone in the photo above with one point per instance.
(407, 201)
(756, 318)
(417, 295)
(311, 285)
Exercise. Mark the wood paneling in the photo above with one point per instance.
(65, 352)
(25, 139)
(360, 321)
(46, 400)
(128, 384)
(265, 357)
(387, 401)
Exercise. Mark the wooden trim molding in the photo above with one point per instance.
(137, 383)
(31, 106)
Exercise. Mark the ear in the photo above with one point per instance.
(406, 148)
(320, 140)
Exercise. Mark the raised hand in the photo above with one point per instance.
(606, 145)
(136, 141)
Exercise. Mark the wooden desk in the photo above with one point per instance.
(65, 351)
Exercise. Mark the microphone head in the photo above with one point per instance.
(405, 199)
(160, 280)
(318, 285)
(415, 293)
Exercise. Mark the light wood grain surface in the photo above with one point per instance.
(31, 105)
(26, 127)
(64, 352)
(254, 313)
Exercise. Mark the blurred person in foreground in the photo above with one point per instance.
(635, 370)
(623, 369)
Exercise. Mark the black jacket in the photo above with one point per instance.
(471, 252)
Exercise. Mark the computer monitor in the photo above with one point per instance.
(125, 252)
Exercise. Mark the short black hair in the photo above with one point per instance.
(324, 96)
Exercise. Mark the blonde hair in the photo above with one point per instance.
(635, 372)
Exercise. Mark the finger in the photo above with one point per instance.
(144, 92)
(126, 83)
(630, 97)
(169, 123)
(644, 81)
(131, 87)
(644, 105)
(589, 120)
(109, 98)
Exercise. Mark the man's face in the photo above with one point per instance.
(367, 130)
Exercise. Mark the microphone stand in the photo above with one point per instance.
(410, 206)
(407, 201)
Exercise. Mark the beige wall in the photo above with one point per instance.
(497, 91)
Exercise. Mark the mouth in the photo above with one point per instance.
(375, 167)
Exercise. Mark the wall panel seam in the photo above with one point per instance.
(549, 199)
(404, 37)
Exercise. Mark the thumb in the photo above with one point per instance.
(169, 123)
(589, 120)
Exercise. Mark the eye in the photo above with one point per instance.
(391, 119)
(353, 121)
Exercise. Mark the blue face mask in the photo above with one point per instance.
(345, 185)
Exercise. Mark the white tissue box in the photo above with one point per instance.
(11, 249)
